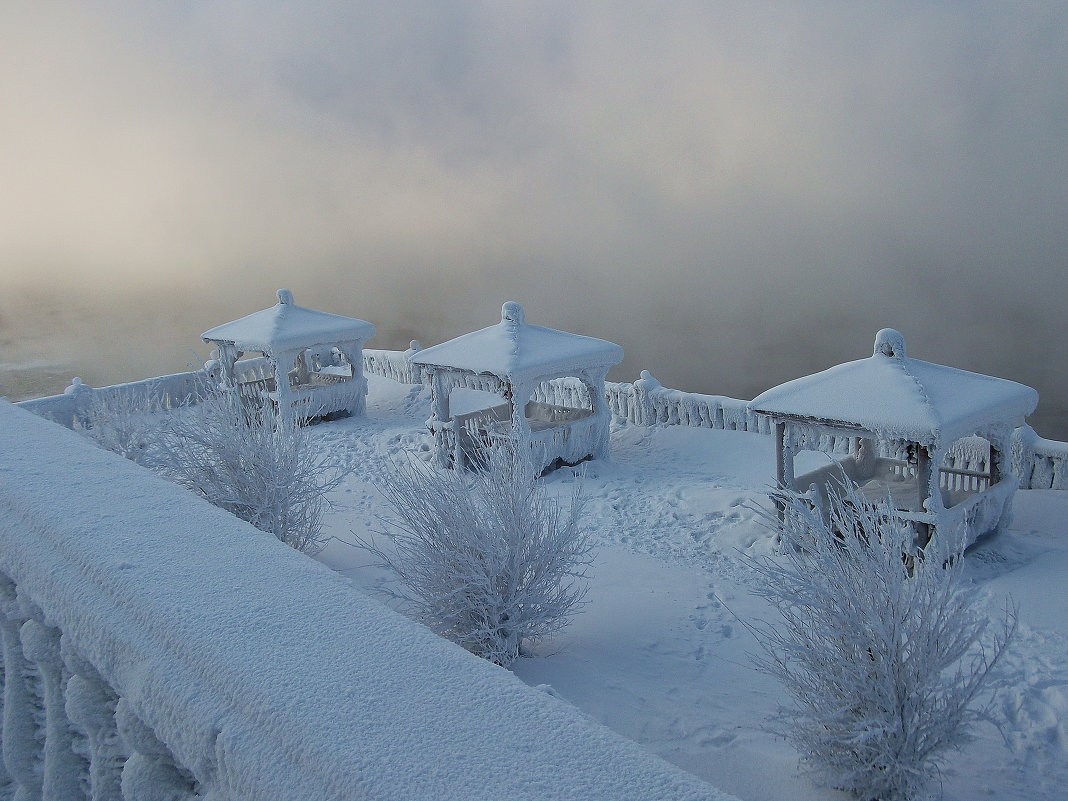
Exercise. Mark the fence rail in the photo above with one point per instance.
(1040, 463)
(161, 392)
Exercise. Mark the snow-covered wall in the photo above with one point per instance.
(156, 644)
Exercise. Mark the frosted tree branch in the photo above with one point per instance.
(884, 651)
(486, 558)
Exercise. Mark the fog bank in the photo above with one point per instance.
(738, 193)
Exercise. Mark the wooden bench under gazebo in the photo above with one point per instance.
(904, 420)
(311, 364)
(498, 382)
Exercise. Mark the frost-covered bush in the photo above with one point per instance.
(236, 453)
(254, 464)
(121, 422)
(485, 557)
(885, 653)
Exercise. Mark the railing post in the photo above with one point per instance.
(81, 399)
(91, 708)
(150, 773)
(23, 737)
(643, 396)
(416, 370)
(1023, 455)
(65, 772)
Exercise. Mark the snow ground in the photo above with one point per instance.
(659, 653)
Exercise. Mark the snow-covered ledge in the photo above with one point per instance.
(155, 647)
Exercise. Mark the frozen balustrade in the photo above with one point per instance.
(1039, 463)
(156, 647)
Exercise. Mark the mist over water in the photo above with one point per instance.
(738, 194)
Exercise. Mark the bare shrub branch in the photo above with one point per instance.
(124, 422)
(486, 558)
(257, 465)
(236, 454)
(885, 652)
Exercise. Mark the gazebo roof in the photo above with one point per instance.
(287, 325)
(516, 351)
(894, 396)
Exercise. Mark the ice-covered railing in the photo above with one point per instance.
(644, 402)
(394, 364)
(647, 402)
(156, 647)
(1040, 463)
(162, 392)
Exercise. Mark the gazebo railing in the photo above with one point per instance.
(957, 480)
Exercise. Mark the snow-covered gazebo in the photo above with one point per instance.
(503, 380)
(312, 362)
(902, 418)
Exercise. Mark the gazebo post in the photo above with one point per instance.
(780, 466)
(923, 475)
(780, 454)
(281, 381)
(593, 380)
(923, 489)
(517, 395)
(994, 466)
(227, 358)
(440, 394)
(439, 416)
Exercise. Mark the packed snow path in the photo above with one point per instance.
(660, 653)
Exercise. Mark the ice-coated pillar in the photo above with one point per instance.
(23, 730)
(150, 773)
(644, 388)
(66, 773)
(4, 778)
(91, 708)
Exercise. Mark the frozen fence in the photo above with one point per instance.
(156, 647)
(647, 402)
(394, 364)
(1040, 463)
(162, 392)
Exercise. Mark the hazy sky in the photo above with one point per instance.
(737, 193)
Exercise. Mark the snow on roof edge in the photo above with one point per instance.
(287, 325)
(892, 395)
(516, 350)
